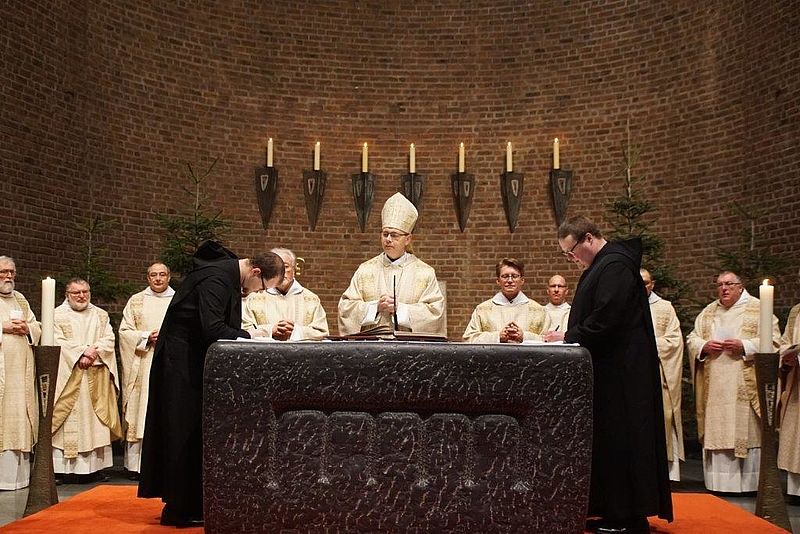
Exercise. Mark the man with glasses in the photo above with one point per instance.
(557, 307)
(205, 308)
(19, 414)
(610, 317)
(286, 312)
(85, 416)
(510, 316)
(721, 349)
(394, 289)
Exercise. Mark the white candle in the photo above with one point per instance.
(461, 157)
(509, 164)
(556, 160)
(316, 156)
(269, 152)
(765, 294)
(412, 159)
(48, 310)
(364, 158)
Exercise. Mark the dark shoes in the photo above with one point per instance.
(170, 519)
(637, 525)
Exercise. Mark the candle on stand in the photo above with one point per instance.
(556, 159)
(766, 295)
(48, 311)
(461, 157)
(509, 164)
(316, 156)
(269, 152)
(364, 158)
(412, 159)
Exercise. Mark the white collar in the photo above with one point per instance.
(166, 293)
(501, 299)
(399, 261)
(552, 306)
(653, 298)
(294, 289)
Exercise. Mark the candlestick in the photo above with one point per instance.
(461, 157)
(556, 159)
(48, 310)
(364, 159)
(509, 164)
(412, 159)
(269, 152)
(765, 294)
(316, 156)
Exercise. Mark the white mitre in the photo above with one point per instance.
(398, 212)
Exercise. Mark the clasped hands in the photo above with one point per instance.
(282, 330)
(386, 304)
(16, 327)
(733, 347)
(511, 333)
(88, 357)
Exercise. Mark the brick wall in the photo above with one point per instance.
(106, 103)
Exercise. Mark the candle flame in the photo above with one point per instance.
(765, 282)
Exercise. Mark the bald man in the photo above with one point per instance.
(558, 307)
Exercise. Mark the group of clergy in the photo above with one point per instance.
(397, 290)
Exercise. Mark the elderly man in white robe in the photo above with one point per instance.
(557, 306)
(510, 316)
(721, 350)
(138, 334)
(19, 414)
(394, 289)
(288, 312)
(669, 342)
(85, 416)
(789, 439)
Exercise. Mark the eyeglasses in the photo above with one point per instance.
(79, 292)
(8, 272)
(570, 253)
(392, 235)
(555, 286)
(726, 285)
(510, 276)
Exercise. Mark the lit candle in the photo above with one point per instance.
(556, 161)
(316, 156)
(364, 158)
(412, 159)
(48, 310)
(509, 164)
(765, 294)
(269, 152)
(461, 157)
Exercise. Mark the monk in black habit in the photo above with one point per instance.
(610, 316)
(206, 308)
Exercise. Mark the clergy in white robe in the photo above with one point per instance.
(288, 312)
(721, 349)
(510, 316)
(19, 413)
(669, 342)
(394, 289)
(138, 334)
(557, 307)
(789, 439)
(85, 415)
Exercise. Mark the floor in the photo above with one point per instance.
(12, 503)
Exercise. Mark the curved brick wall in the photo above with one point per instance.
(107, 102)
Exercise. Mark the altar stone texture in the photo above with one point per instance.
(396, 437)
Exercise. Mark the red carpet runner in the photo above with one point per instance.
(116, 510)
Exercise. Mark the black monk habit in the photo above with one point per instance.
(610, 316)
(206, 307)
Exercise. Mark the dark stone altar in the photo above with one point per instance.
(387, 436)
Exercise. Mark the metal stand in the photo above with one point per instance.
(363, 191)
(266, 190)
(511, 190)
(42, 491)
(463, 191)
(412, 185)
(561, 188)
(313, 191)
(769, 502)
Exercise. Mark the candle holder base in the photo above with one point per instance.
(561, 189)
(511, 184)
(463, 191)
(363, 191)
(770, 504)
(412, 185)
(266, 191)
(313, 191)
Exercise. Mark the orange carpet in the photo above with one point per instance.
(116, 510)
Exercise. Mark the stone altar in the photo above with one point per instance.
(387, 436)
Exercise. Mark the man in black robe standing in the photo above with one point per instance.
(610, 317)
(206, 308)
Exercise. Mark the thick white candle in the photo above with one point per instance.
(461, 157)
(509, 163)
(48, 310)
(766, 295)
(316, 156)
(556, 159)
(412, 159)
(269, 152)
(364, 158)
